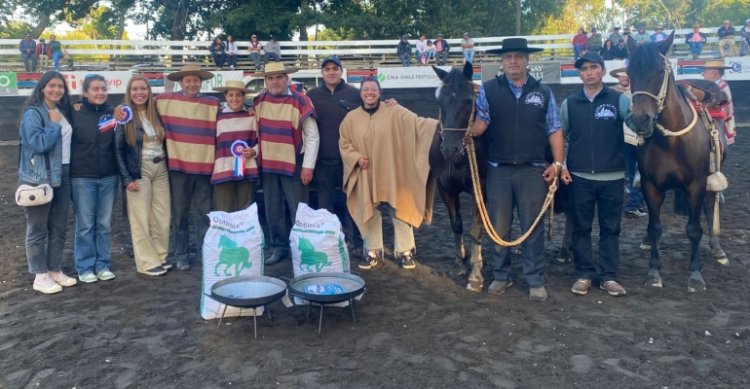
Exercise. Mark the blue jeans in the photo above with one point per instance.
(578, 49)
(695, 48)
(93, 200)
(469, 56)
(405, 59)
(635, 195)
(45, 229)
(56, 59)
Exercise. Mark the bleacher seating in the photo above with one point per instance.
(160, 56)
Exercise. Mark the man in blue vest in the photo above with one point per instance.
(520, 117)
(592, 119)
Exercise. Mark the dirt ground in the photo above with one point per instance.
(417, 329)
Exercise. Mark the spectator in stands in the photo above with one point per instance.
(609, 51)
(726, 39)
(233, 189)
(28, 51)
(142, 163)
(94, 175)
(42, 55)
(658, 34)
(384, 151)
(404, 50)
(695, 40)
(621, 50)
(232, 51)
(273, 50)
(580, 43)
(626, 32)
(421, 50)
(641, 36)
(218, 53)
(615, 35)
(55, 49)
(442, 48)
(255, 48)
(430, 51)
(467, 46)
(45, 134)
(745, 43)
(595, 41)
(724, 115)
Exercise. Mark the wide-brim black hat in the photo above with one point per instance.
(514, 44)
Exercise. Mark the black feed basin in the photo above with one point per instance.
(248, 292)
(327, 288)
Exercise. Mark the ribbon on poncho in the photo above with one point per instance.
(238, 147)
(109, 122)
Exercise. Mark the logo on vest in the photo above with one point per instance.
(606, 112)
(535, 98)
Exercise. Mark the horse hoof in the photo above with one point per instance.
(696, 283)
(653, 279)
(645, 246)
(475, 286)
(723, 261)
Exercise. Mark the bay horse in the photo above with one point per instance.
(675, 150)
(449, 165)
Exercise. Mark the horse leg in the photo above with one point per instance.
(708, 209)
(451, 202)
(476, 281)
(654, 200)
(566, 250)
(694, 232)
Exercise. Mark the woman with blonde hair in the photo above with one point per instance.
(141, 159)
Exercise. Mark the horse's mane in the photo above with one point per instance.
(644, 61)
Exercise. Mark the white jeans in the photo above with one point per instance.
(403, 234)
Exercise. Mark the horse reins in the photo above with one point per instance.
(549, 200)
(660, 99)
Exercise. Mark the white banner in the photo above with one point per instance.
(740, 68)
(220, 77)
(116, 81)
(409, 77)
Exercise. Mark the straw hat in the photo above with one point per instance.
(232, 85)
(715, 64)
(618, 72)
(190, 70)
(275, 67)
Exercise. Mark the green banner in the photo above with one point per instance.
(8, 83)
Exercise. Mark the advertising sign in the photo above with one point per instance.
(739, 68)
(8, 84)
(116, 81)
(409, 77)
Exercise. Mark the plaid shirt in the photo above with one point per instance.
(553, 118)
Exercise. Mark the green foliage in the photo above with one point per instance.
(14, 29)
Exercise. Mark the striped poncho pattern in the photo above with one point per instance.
(190, 127)
(230, 127)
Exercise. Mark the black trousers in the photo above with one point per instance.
(605, 198)
(189, 192)
(329, 177)
(279, 191)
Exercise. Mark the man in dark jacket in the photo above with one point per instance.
(726, 38)
(404, 51)
(442, 48)
(519, 115)
(28, 51)
(592, 119)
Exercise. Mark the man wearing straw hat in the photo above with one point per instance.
(520, 117)
(289, 141)
(235, 169)
(713, 70)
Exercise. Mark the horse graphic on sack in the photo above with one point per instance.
(232, 256)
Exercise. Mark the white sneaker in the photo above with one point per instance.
(61, 278)
(88, 277)
(43, 283)
(105, 275)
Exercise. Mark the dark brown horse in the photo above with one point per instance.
(675, 152)
(449, 164)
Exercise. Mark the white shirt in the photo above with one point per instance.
(67, 134)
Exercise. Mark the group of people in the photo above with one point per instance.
(181, 152)
(225, 52)
(37, 55)
(428, 51)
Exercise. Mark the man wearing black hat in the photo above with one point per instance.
(520, 117)
(595, 169)
(333, 100)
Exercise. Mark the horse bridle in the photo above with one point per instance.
(661, 98)
(442, 129)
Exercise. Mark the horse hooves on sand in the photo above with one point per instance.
(459, 268)
(696, 283)
(722, 259)
(475, 286)
(653, 279)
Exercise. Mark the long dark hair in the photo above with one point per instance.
(37, 95)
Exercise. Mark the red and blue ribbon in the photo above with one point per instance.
(238, 147)
(108, 122)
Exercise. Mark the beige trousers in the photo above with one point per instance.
(726, 46)
(149, 215)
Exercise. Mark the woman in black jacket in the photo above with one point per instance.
(94, 175)
(609, 51)
(142, 163)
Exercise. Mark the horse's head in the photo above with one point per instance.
(648, 69)
(456, 100)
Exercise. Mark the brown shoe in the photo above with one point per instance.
(613, 288)
(581, 287)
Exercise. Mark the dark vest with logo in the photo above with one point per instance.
(595, 134)
(517, 133)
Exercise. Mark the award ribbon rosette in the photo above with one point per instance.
(108, 122)
(238, 147)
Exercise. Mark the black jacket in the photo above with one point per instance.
(331, 108)
(129, 156)
(595, 133)
(92, 151)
